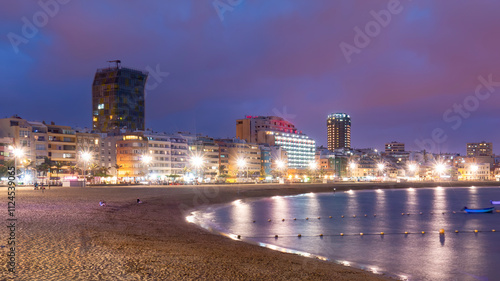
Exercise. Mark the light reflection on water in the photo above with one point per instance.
(453, 256)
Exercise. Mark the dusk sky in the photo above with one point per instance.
(288, 58)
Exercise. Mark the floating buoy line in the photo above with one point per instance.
(382, 233)
(374, 215)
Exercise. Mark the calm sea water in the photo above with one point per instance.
(465, 255)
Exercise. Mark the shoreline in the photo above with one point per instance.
(64, 234)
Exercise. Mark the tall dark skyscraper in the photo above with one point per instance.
(339, 131)
(118, 99)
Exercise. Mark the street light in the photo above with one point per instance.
(146, 160)
(86, 157)
(313, 166)
(352, 166)
(18, 153)
(474, 169)
(440, 168)
(281, 166)
(381, 167)
(197, 162)
(412, 167)
(242, 164)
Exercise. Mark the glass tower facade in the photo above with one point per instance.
(118, 99)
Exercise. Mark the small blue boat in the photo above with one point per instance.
(494, 202)
(482, 210)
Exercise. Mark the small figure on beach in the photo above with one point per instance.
(36, 186)
(102, 203)
(139, 201)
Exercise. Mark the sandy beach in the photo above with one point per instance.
(63, 234)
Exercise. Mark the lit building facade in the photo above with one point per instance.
(474, 172)
(208, 150)
(235, 150)
(87, 143)
(62, 145)
(479, 149)
(338, 131)
(179, 155)
(276, 131)
(130, 151)
(107, 152)
(118, 99)
(5, 153)
(29, 136)
(159, 149)
(394, 147)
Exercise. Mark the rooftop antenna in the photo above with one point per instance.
(118, 62)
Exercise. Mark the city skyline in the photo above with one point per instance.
(205, 72)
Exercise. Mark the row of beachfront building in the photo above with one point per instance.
(264, 147)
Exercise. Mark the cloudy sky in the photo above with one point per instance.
(411, 71)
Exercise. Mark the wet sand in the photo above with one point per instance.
(63, 234)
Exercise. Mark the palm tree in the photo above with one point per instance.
(58, 165)
(73, 169)
(4, 172)
(117, 167)
(93, 168)
(44, 168)
(102, 171)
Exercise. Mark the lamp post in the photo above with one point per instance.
(412, 168)
(146, 160)
(281, 165)
(313, 166)
(474, 169)
(242, 164)
(18, 153)
(352, 166)
(197, 162)
(86, 157)
(381, 167)
(440, 168)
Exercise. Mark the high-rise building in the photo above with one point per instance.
(338, 131)
(118, 99)
(276, 131)
(479, 149)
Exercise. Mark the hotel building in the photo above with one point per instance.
(118, 99)
(338, 131)
(276, 131)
